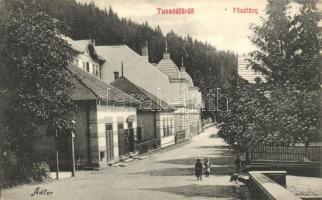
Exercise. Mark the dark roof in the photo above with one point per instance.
(89, 87)
(148, 100)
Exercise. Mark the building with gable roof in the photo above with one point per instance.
(154, 116)
(135, 68)
(110, 114)
(86, 56)
(163, 80)
(105, 114)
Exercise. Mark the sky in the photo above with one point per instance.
(213, 21)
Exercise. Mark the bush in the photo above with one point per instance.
(39, 171)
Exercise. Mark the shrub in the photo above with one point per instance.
(39, 171)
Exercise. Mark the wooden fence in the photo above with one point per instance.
(297, 154)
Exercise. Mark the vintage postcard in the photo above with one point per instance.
(160, 99)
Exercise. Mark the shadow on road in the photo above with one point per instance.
(226, 160)
(222, 147)
(177, 171)
(213, 136)
(194, 190)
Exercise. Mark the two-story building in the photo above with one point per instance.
(106, 123)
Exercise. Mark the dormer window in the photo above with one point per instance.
(116, 75)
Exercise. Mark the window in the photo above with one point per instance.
(168, 126)
(139, 133)
(102, 155)
(109, 127)
(84, 68)
(87, 66)
(116, 75)
(171, 127)
(77, 62)
(95, 69)
(164, 128)
(120, 126)
(130, 125)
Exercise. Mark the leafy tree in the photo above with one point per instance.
(285, 110)
(288, 46)
(36, 57)
(244, 124)
(288, 56)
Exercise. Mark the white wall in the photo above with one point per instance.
(114, 115)
(165, 140)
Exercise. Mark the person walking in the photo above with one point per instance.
(207, 167)
(198, 169)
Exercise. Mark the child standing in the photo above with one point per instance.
(207, 167)
(198, 169)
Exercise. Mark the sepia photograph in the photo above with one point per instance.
(161, 99)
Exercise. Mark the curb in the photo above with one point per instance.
(159, 150)
(167, 148)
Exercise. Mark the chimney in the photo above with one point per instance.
(145, 51)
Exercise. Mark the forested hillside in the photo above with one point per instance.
(208, 66)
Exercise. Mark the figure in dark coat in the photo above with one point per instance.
(198, 168)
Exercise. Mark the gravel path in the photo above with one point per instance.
(164, 175)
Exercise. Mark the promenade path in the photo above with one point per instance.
(168, 174)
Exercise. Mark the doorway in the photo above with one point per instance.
(109, 142)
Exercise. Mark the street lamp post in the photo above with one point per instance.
(73, 149)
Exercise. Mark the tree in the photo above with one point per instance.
(288, 46)
(288, 55)
(273, 39)
(245, 122)
(285, 110)
(37, 58)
